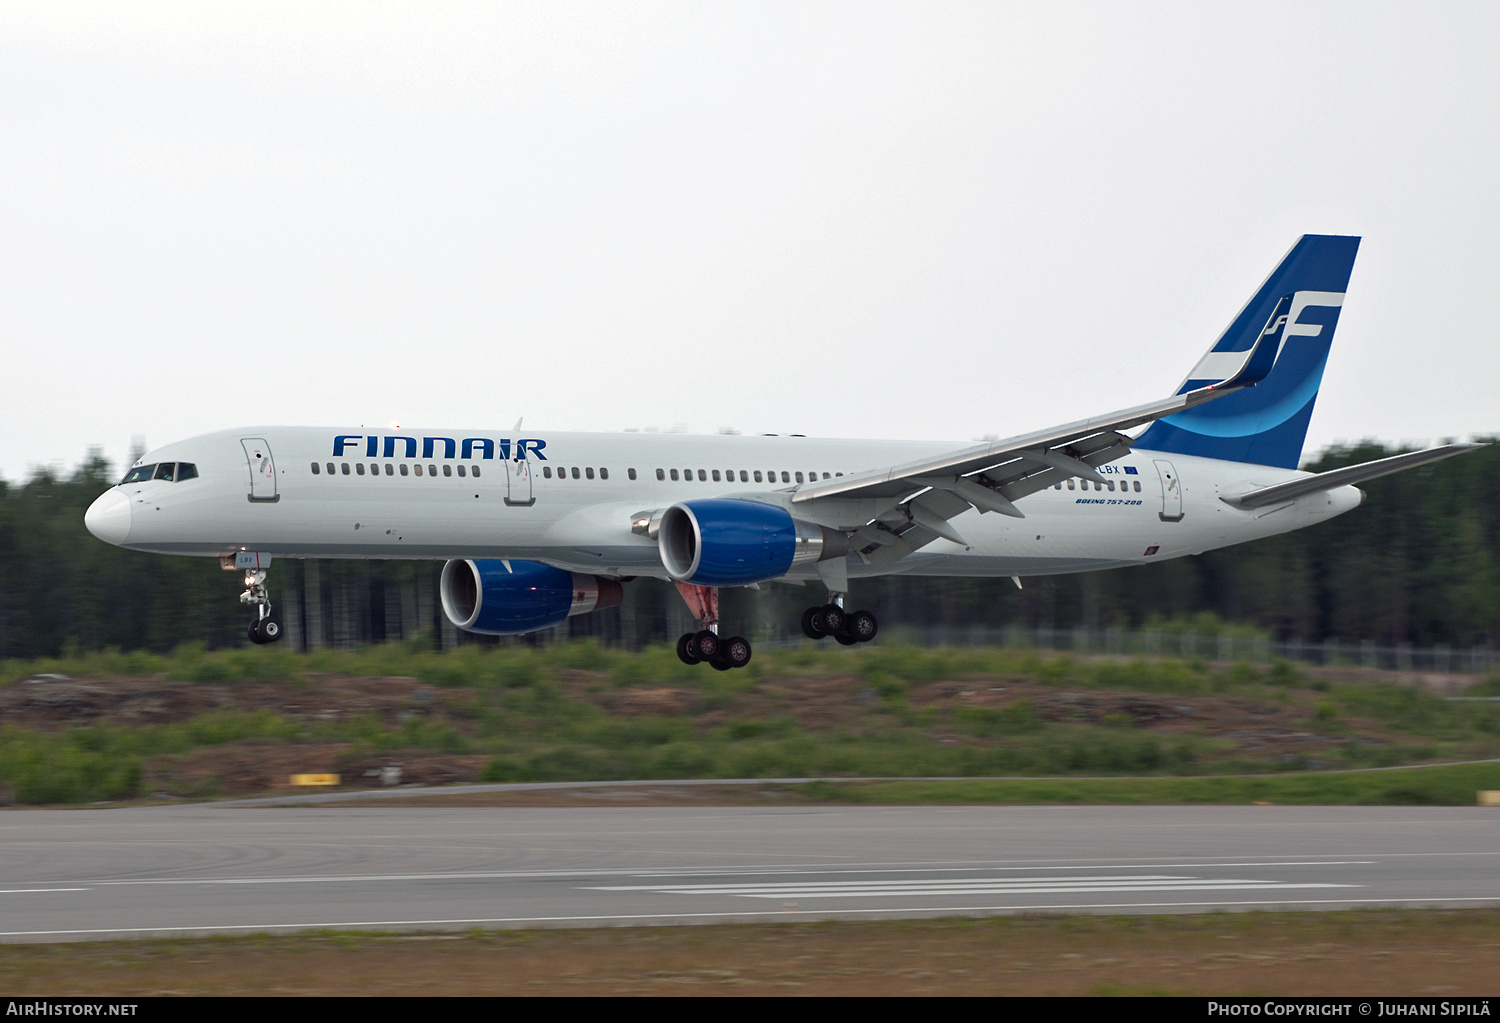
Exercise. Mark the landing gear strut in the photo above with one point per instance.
(265, 627)
(832, 620)
(705, 644)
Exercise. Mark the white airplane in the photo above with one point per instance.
(539, 527)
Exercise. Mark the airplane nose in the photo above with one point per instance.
(108, 517)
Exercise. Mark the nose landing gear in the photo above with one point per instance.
(706, 644)
(832, 620)
(266, 626)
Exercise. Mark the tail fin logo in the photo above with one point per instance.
(1280, 342)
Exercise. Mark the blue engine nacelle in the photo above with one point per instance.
(726, 542)
(488, 597)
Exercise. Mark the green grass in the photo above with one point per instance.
(543, 715)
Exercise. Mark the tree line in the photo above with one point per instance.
(1416, 564)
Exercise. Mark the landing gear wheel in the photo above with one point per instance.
(863, 626)
(736, 652)
(810, 627)
(706, 645)
(265, 630)
(845, 639)
(687, 650)
(719, 664)
(831, 618)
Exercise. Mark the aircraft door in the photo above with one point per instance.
(1171, 492)
(518, 483)
(262, 470)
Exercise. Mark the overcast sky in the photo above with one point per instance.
(881, 220)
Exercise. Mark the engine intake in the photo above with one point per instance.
(486, 597)
(727, 542)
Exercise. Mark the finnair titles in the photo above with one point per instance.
(535, 529)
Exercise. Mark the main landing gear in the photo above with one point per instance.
(265, 627)
(832, 620)
(706, 644)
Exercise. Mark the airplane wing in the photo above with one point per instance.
(992, 476)
(892, 512)
(1346, 476)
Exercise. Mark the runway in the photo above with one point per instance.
(92, 874)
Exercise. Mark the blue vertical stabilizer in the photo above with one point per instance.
(1266, 424)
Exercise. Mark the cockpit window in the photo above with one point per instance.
(164, 471)
(140, 473)
(186, 471)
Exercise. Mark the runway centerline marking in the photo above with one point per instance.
(33, 891)
(703, 872)
(968, 886)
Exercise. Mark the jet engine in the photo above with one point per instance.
(504, 599)
(727, 542)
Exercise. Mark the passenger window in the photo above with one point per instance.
(417, 469)
(359, 467)
(589, 472)
(462, 471)
(431, 469)
(799, 477)
(164, 471)
(374, 469)
(786, 477)
(315, 468)
(140, 473)
(757, 476)
(475, 470)
(716, 476)
(390, 470)
(1110, 485)
(403, 469)
(345, 467)
(825, 475)
(447, 470)
(1057, 485)
(547, 471)
(604, 473)
(674, 475)
(744, 476)
(1070, 484)
(575, 472)
(330, 468)
(1137, 486)
(702, 476)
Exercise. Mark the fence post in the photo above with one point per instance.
(1442, 658)
(1330, 651)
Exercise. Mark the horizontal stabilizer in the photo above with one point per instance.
(1346, 476)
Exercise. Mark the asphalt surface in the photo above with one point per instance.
(90, 874)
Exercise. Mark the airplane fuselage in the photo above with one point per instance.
(569, 500)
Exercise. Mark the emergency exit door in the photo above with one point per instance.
(1171, 492)
(262, 470)
(518, 482)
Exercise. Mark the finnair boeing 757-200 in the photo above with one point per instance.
(537, 528)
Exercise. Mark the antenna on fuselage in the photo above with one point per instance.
(518, 425)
